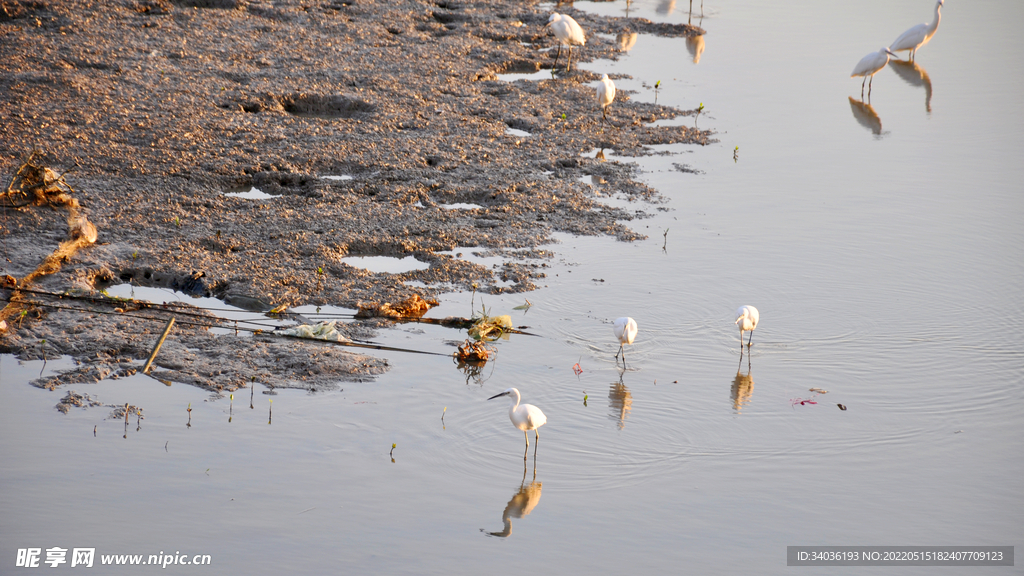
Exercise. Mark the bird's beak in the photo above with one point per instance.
(738, 320)
(498, 395)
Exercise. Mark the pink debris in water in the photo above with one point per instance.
(803, 401)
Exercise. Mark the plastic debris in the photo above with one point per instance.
(318, 331)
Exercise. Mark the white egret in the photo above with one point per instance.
(568, 32)
(625, 331)
(525, 417)
(917, 36)
(746, 319)
(605, 94)
(869, 65)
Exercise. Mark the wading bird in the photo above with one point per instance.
(568, 32)
(605, 94)
(746, 319)
(625, 331)
(869, 65)
(917, 36)
(525, 417)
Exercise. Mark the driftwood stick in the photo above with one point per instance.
(159, 343)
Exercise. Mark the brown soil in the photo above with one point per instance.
(160, 107)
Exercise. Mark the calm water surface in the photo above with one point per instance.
(883, 248)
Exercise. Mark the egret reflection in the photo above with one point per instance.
(522, 503)
(915, 75)
(666, 7)
(866, 116)
(742, 386)
(620, 401)
(626, 40)
(695, 46)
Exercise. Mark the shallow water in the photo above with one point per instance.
(387, 264)
(887, 270)
(252, 193)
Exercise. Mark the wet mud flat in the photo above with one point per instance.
(153, 109)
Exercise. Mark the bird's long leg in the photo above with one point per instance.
(527, 451)
(861, 99)
(749, 339)
(536, 442)
(569, 63)
(617, 354)
(557, 54)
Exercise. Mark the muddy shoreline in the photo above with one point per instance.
(156, 108)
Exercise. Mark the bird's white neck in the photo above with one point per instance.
(938, 16)
(515, 401)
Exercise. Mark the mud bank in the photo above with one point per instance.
(162, 107)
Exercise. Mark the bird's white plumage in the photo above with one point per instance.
(523, 416)
(917, 36)
(567, 30)
(746, 319)
(568, 33)
(605, 92)
(872, 63)
(868, 66)
(625, 329)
